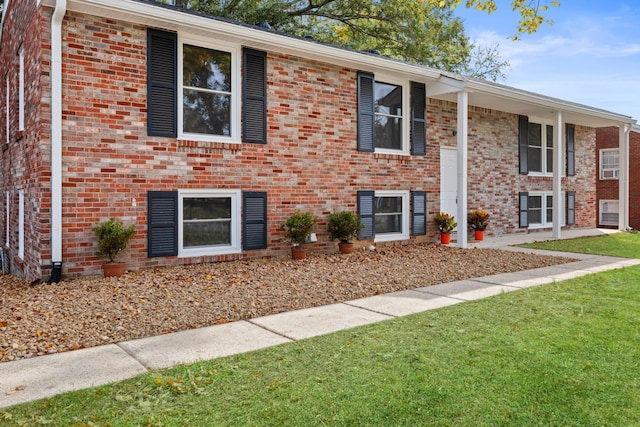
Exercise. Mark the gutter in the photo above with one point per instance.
(56, 138)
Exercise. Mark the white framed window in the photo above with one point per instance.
(209, 222)
(540, 148)
(609, 163)
(391, 215)
(609, 212)
(390, 116)
(21, 90)
(7, 108)
(7, 218)
(540, 209)
(21, 224)
(209, 86)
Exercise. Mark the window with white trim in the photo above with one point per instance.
(209, 89)
(21, 224)
(540, 149)
(7, 217)
(208, 222)
(609, 163)
(391, 215)
(7, 107)
(540, 209)
(609, 212)
(21, 90)
(389, 117)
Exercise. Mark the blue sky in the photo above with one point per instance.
(590, 55)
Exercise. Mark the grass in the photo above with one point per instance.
(563, 354)
(626, 245)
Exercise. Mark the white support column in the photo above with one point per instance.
(623, 177)
(463, 147)
(558, 167)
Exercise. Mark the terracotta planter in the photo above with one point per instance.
(478, 235)
(445, 238)
(345, 248)
(298, 253)
(113, 269)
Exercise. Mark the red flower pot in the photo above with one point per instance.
(478, 235)
(445, 238)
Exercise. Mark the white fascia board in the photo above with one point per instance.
(170, 19)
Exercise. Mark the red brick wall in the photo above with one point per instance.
(310, 162)
(608, 189)
(25, 154)
(634, 180)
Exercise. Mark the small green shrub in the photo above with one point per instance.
(298, 227)
(478, 219)
(112, 238)
(344, 226)
(446, 223)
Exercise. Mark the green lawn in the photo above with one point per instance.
(626, 245)
(563, 354)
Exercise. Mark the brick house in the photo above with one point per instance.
(207, 134)
(618, 206)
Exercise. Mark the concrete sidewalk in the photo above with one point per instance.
(44, 376)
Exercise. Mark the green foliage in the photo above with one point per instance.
(478, 219)
(298, 227)
(446, 223)
(112, 238)
(410, 30)
(344, 226)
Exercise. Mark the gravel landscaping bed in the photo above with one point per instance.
(44, 319)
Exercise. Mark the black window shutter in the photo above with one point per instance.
(418, 119)
(571, 150)
(254, 96)
(254, 220)
(419, 214)
(162, 233)
(162, 83)
(523, 143)
(367, 214)
(366, 105)
(571, 207)
(524, 209)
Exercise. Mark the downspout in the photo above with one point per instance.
(56, 138)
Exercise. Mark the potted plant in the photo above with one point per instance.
(446, 224)
(478, 220)
(344, 226)
(297, 229)
(113, 238)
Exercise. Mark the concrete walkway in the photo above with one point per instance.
(44, 376)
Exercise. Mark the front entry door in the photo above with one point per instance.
(449, 181)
